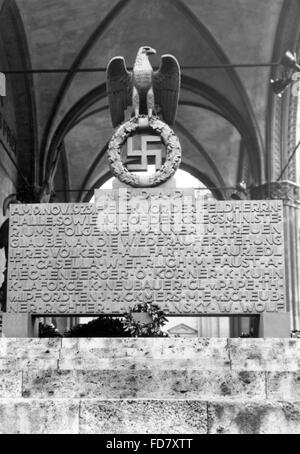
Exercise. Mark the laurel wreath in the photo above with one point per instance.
(137, 329)
(170, 140)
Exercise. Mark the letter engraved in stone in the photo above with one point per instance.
(188, 255)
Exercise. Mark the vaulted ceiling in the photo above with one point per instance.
(223, 114)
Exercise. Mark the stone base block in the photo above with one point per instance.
(264, 354)
(145, 353)
(251, 418)
(34, 417)
(175, 417)
(143, 384)
(143, 417)
(19, 325)
(149, 386)
(275, 325)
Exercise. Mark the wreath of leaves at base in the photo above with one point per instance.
(170, 140)
(137, 329)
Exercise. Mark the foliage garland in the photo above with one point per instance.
(137, 329)
(169, 138)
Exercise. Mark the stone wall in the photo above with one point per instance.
(155, 386)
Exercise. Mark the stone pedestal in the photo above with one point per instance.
(149, 386)
(19, 325)
(275, 325)
(289, 193)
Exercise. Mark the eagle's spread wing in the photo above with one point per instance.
(166, 87)
(119, 89)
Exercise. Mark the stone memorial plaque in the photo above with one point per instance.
(190, 255)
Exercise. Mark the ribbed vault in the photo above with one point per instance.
(225, 115)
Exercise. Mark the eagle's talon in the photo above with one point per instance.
(143, 121)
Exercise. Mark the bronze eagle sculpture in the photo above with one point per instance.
(148, 91)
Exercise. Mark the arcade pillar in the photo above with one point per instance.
(289, 193)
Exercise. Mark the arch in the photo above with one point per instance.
(91, 169)
(250, 119)
(69, 119)
(231, 114)
(202, 151)
(282, 112)
(100, 29)
(89, 114)
(245, 116)
(226, 108)
(182, 129)
(192, 170)
(96, 184)
(18, 56)
(217, 193)
(203, 106)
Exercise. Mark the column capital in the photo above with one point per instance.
(282, 190)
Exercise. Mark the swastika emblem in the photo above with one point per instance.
(167, 158)
(144, 153)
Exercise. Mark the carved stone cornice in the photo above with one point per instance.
(282, 190)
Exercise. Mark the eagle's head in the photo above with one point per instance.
(146, 50)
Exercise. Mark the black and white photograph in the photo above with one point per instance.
(149, 220)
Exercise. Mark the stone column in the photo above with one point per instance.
(20, 325)
(289, 193)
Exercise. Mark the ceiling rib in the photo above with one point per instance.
(114, 12)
